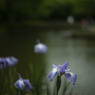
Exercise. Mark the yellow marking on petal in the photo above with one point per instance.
(20, 80)
(57, 69)
(70, 73)
(54, 70)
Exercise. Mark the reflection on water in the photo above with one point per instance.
(78, 52)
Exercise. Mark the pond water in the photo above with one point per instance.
(80, 53)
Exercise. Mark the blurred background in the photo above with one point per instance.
(67, 27)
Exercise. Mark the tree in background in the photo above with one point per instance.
(11, 10)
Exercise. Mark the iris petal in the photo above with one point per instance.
(9, 62)
(54, 66)
(28, 86)
(19, 84)
(59, 66)
(64, 67)
(71, 77)
(53, 73)
(2, 63)
(13, 59)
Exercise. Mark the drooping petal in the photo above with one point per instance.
(53, 73)
(71, 77)
(28, 86)
(64, 67)
(19, 84)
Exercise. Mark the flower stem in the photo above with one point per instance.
(2, 81)
(58, 84)
(19, 92)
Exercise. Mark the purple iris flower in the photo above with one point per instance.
(11, 61)
(8, 61)
(23, 83)
(57, 70)
(60, 70)
(40, 48)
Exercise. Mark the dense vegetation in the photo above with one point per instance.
(17, 10)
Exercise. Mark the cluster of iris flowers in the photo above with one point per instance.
(57, 70)
(24, 83)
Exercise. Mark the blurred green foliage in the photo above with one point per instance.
(37, 73)
(44, 9)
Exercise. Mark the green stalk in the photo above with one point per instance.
(2, 80)
(21, 92)
(58, 84)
